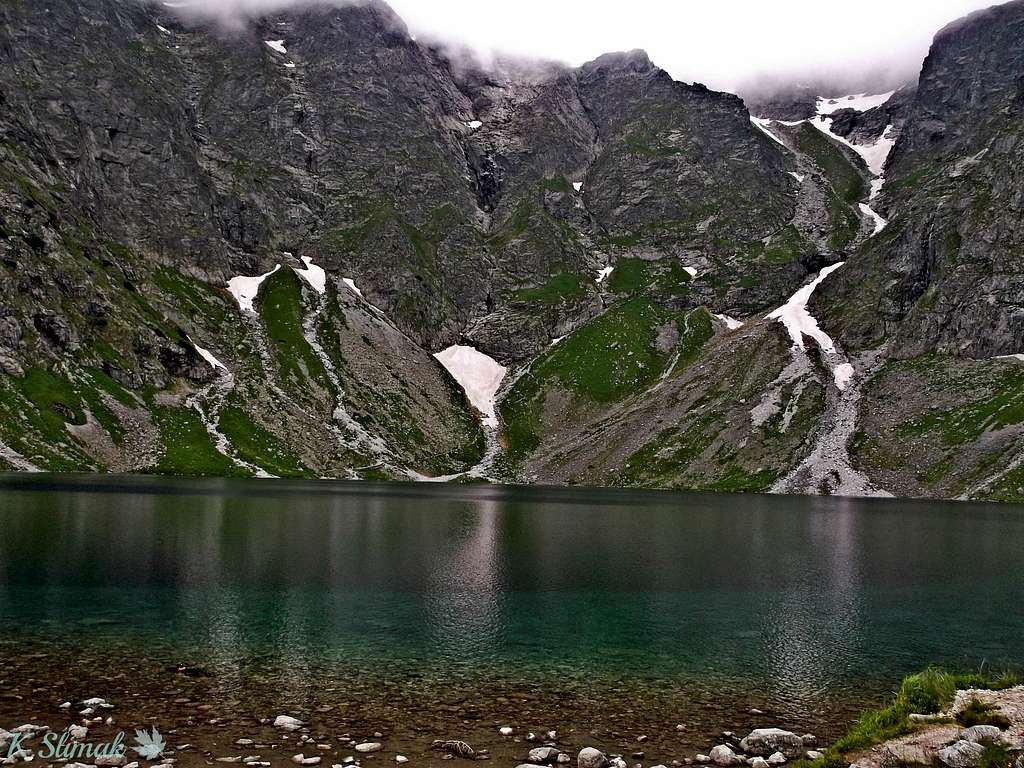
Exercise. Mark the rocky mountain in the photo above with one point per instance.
(242, 251)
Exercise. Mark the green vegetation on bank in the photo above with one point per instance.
(925, 693)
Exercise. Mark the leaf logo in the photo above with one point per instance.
(151, 745)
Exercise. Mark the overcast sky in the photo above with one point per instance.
(723, 43)
(726, 44)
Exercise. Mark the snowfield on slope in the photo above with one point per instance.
(244, 289)
(798, 321)
(479, 375)
(312, 274)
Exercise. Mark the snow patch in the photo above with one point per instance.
(244, 289)
(165, 30)
(207, 356)
(798, 321)
(277, 45)
(880, 223)
(860, 102)
(763, 125)
(1016, 358)
(474, 124)
(797, 176)
(479, 375)
(604, 274)
(312, 274)
(556, 341)
(578, 186)
(730, 322)
(843, 375)
(874, 155)
(352, 286)
(691, 271)
(289, 65)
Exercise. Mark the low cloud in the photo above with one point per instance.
(738, 45)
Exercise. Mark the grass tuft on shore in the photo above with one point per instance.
(925, 693)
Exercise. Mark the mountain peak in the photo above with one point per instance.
(636, 61)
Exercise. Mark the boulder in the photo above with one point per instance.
(982, 734)
(543, 755)
(591, 758)
(369, 746)
(896, 755)
(962, 754)
(723, 756)
(758, 762)
(813, 754)
(776, 758)
(765, 741)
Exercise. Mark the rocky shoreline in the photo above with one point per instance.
(981, 729)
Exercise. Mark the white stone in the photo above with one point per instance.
(401, 759)
(777, 758)
(505, 730)
(288, 723)
(369, 746)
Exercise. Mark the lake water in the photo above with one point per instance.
(443, 611)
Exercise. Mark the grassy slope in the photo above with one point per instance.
(608, 360)
(926, 693)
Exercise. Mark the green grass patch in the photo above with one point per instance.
(609, 359)
(1002, 407)
(977, 713)
(665, 277)
(279, 304)
(256, 445)
(926, 693)
(563, 287)
(842, 174)
(556, 184)
(787, 246)
(188, 449)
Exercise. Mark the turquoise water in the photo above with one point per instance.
(804, 602)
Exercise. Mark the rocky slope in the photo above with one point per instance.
(596, 230)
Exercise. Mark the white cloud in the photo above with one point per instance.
(724, 43)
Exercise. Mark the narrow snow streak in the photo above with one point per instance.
(352, 286)
(277, 45)
(207, 356)
(763, 125)
(479, 375)
(798, 321)
(870, 212)
(312, 274)
(797, 176)
(244, 289)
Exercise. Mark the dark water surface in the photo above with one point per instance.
(427, 600)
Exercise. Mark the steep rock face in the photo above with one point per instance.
(947, 275)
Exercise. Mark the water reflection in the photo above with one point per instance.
(791, 598)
